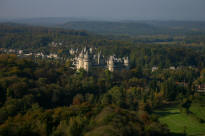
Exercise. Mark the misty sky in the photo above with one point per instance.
(116, 9)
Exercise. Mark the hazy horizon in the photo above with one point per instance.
(104, 10)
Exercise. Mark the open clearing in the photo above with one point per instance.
(179, 123)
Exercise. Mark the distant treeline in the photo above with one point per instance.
(138, 27)
(144, 51)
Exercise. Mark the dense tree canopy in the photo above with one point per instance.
(41, 97)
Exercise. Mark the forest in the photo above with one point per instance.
(41, 97)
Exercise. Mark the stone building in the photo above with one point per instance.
(90, 58)
(110, 64)
(86, 62)
(126, 62)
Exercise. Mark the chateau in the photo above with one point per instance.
(90, 58)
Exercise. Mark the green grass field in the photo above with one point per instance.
(179, 122)
(198, 110)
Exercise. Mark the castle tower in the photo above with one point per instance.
(86, 62)
(91, 50)
(126, 62)
(110, 64)
(80, 63)
(85, 50)
(99, 58)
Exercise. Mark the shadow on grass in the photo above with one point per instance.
(194, 116)
(177, 134)
(165, 113)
